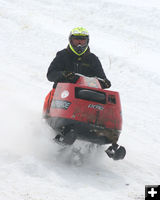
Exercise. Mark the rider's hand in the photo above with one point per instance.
(69, 75)
(107, 83)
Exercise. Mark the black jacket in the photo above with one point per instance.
(88, 64)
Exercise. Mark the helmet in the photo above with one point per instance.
(78, 40)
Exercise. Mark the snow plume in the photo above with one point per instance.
(18, 123)
(25, 132)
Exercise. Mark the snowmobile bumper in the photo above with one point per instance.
(85, 131)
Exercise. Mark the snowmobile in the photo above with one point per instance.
(85, 111)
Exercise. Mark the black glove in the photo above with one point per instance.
(69, 75)
(105, 83)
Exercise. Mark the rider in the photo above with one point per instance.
(76, 58)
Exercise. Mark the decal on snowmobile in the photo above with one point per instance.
(60, 104)
(65, 94)
(99, 107)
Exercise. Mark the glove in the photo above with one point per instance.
(69, 75)
(106, 83)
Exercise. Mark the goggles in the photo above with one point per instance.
(76, 40)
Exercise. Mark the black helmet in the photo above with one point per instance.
(78, 40)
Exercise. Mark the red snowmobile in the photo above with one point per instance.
(85, 111)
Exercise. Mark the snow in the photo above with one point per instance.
(126, 37)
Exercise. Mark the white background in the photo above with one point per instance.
(125, 35)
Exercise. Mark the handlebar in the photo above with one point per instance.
(100, 79)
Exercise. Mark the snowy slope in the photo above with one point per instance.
(125, 34)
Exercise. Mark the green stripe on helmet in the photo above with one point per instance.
(76, 52)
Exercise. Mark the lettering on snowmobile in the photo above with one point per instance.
(99, 107)
(60, 104)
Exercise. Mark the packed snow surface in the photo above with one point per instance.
(125, 35)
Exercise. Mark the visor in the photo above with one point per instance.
(76, 40)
